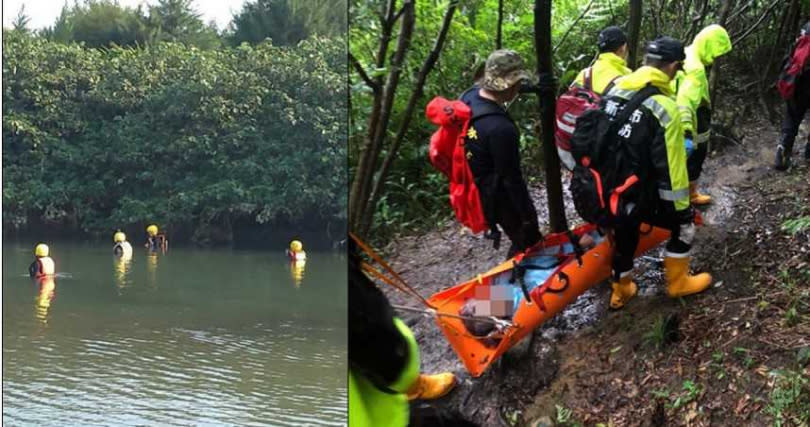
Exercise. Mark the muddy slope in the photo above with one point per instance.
(589, 365)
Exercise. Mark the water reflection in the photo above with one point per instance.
(297, 268)
(122, 266)
(151, 269)
(47, 288)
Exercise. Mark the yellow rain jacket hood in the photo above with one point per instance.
(691, 84)
(608, 66)
(638, 79)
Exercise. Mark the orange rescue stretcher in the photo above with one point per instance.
(566, 279)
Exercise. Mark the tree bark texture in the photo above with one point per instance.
(499, 35)
(542, 44)
(633, 29)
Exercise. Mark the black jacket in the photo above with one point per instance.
(493, 153)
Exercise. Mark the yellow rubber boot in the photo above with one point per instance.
(623, 291)
(427, 387)
(679, 282)
(695, 197)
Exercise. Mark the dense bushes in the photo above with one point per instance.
(100, 139)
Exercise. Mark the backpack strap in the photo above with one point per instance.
(634, 102)
(589, 78)
(610, 85)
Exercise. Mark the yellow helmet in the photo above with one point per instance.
(152, 230)
(296, 246)
(119, 236)
(41, 250)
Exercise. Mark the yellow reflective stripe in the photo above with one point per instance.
(658, 111)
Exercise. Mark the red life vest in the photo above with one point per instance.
(447, 154)
(795, 66)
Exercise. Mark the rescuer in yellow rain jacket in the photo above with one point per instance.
(656, 131)
(384, 361)
(694, 102)
(611, 62)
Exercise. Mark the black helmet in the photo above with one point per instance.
(666, 49)
(610, 39)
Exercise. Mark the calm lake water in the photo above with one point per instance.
(192, 337)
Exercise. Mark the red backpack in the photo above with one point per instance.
(795, 66)
(571, 105)
(447, 154)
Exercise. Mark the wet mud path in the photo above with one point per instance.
(591, 365)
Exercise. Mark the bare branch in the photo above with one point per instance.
(737, 39)
(377, 134)
(737, 13)
(574, 24)
(359, 68)
(426, 68)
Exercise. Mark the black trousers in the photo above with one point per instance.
(694, 164)
(795, 109)
(627, 234)
(510, 222)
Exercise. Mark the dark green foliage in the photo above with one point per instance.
(103, 23)
(173, 134)
(287, 22)
(177, 21)
(20, 22)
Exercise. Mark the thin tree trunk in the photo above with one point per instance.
(416, 95)
(633, 28)
(499, 35)
(725, 11)
(542, 43)
(377, 133)
(359, 183)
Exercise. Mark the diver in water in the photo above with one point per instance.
(296, 251)
(43, 265)
(122, 248)
(155, 241)
(298, 261)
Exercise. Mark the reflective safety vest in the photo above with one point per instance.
(126, 249)
(46, 267)
(369, 406)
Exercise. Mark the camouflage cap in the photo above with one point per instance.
(504, 69)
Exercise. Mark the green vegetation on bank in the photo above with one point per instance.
(199, 139)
